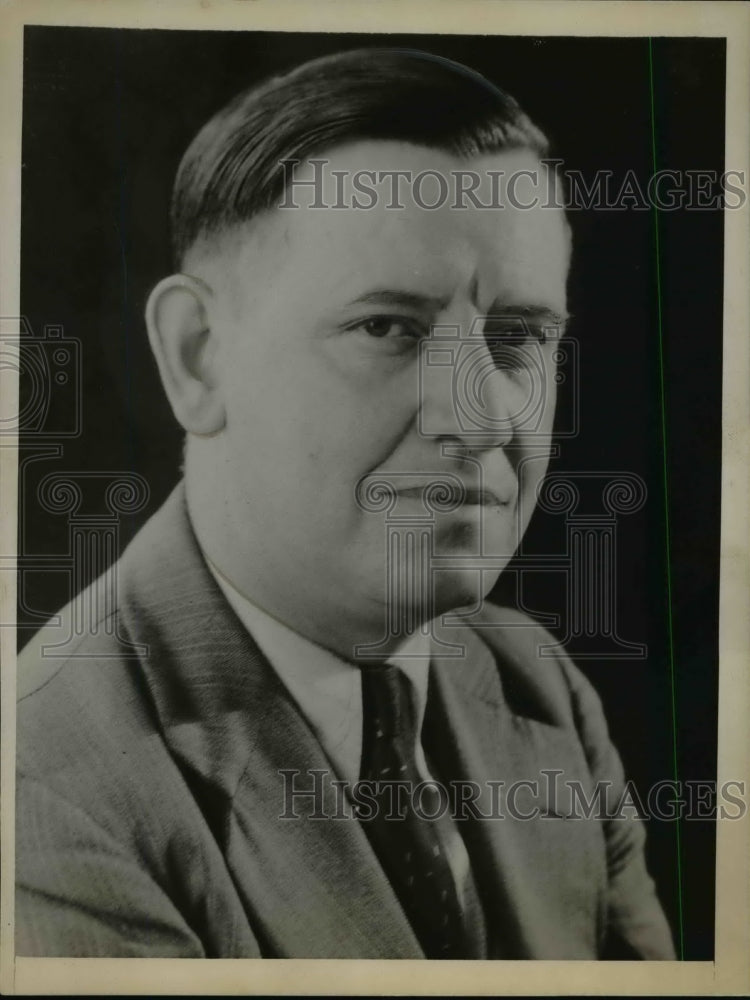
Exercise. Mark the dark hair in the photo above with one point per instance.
(231, 171)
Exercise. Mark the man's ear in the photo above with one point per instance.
(185, 348)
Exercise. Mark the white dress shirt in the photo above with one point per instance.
(328, 691)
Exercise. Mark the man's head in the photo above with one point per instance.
(231, 171)
(296, 343)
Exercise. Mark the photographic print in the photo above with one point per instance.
(370, 481)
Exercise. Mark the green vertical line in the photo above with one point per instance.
(667, 534)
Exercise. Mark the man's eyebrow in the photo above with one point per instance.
(537, 313)
(400, 298)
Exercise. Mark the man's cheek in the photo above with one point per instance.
(382, 443)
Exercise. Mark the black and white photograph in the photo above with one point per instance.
(371, 478)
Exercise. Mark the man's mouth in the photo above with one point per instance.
(447, 495)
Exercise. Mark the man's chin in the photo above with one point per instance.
(450, 590)
(462, 588)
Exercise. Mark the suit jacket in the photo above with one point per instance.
(149, 793)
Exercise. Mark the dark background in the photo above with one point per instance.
(107, 115)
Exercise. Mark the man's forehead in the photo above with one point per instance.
(384, 156)
(378, 242)
(370, 175)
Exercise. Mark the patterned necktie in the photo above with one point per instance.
(405, 842)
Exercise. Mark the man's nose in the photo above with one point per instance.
(465, 397)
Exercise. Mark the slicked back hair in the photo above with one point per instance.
(232, 170)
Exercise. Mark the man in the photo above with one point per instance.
(212, 771)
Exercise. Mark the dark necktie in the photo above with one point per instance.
(405, 842)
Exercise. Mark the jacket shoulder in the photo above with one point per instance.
(80, 699)
(81, 680)
(538, 677)
(72, 709)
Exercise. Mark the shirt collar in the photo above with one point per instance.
(326, 687)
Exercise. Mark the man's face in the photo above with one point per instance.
(326, 320)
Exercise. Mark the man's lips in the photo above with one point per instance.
(468, 496)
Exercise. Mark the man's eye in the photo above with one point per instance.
(514, 344)
(381, 327)
(514, 332)
(514, 353)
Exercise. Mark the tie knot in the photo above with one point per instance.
(387, 702)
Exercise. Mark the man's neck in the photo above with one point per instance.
(352, 632)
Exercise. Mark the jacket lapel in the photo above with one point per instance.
(538, 877)
(307, 870)
(311, 887)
